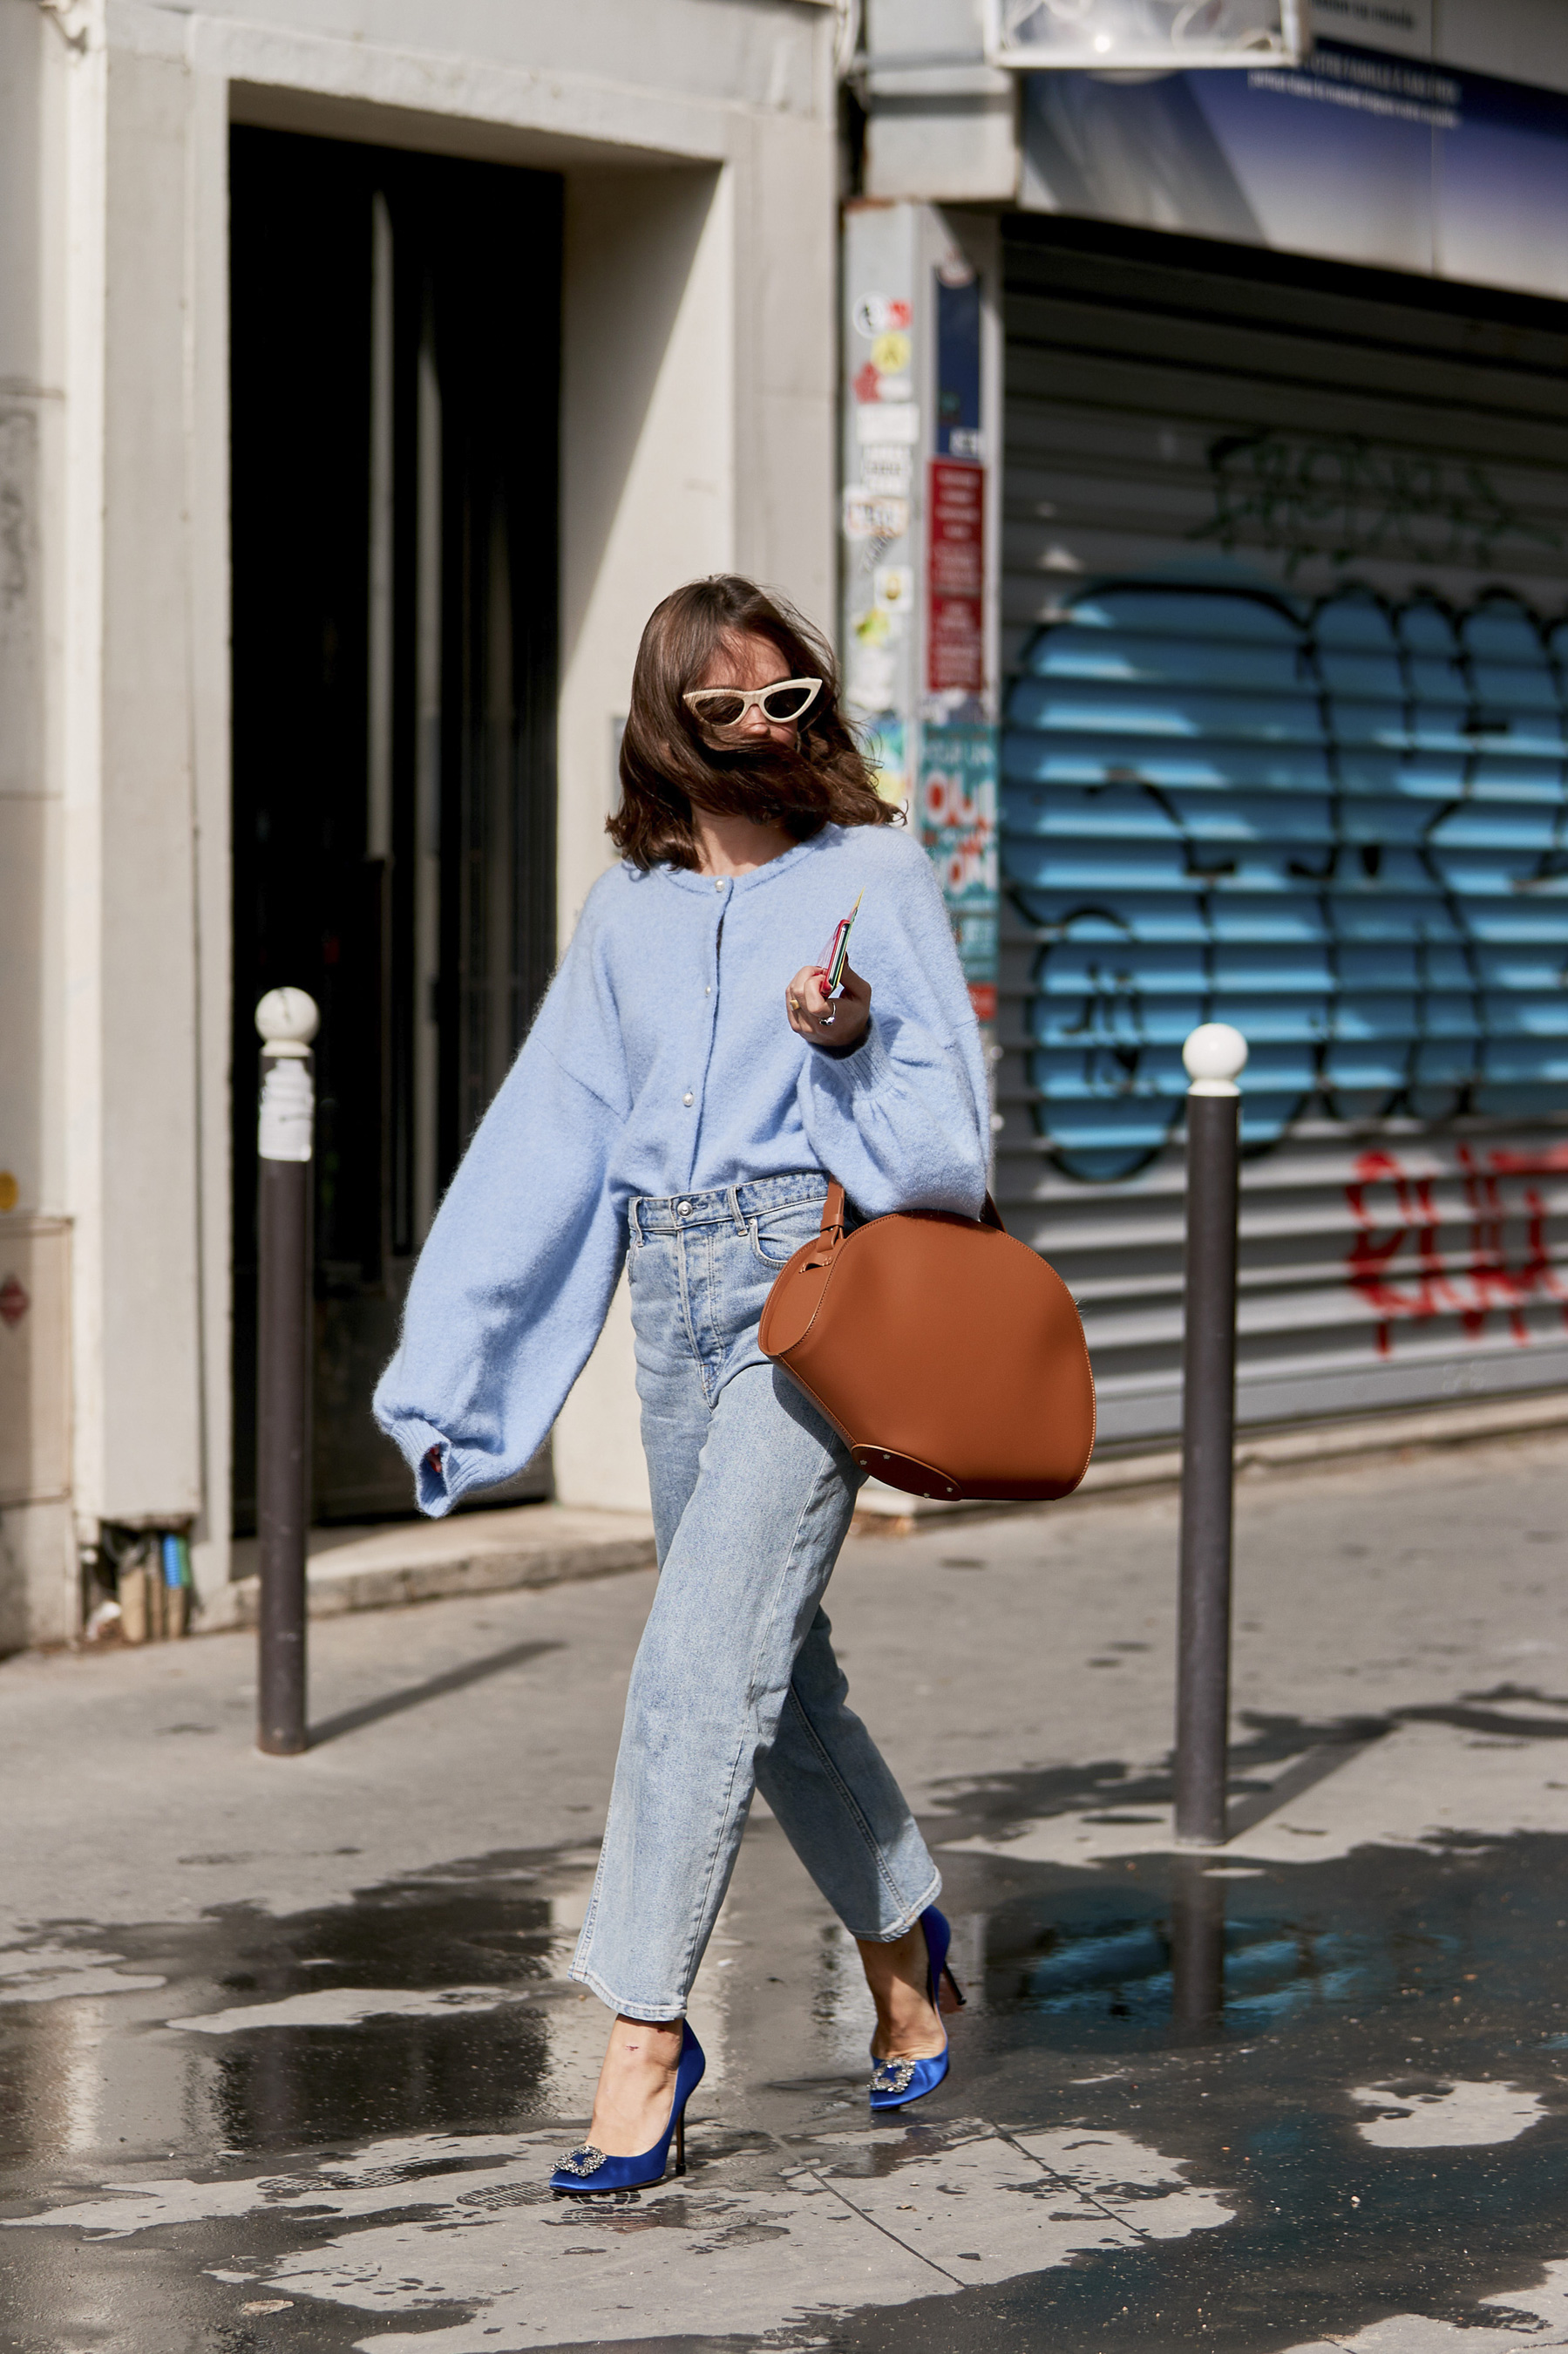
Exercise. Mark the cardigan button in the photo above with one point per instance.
(687, 1096)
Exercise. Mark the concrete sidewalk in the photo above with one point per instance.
(289, 2043)
(384, 1567)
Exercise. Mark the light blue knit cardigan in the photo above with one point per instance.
(662, 1063)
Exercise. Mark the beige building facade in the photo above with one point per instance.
(654, 269)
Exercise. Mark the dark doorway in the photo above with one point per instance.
(395, 370)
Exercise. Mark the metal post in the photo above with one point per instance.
(1197, 1949)
(1215, 1054)
(287, 1020)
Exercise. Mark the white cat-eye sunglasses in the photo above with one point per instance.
(726, 706)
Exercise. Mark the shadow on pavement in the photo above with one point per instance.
(473, 1671)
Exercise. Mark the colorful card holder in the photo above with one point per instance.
(831, 966)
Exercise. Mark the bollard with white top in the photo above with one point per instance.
(1215, 1055)
(287, 1020)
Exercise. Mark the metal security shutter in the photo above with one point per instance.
(1286, 744)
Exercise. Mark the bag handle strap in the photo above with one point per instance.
(834, 1211)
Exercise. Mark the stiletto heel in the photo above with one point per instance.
(585, 2171)
(895, 2083)
(959, 1997)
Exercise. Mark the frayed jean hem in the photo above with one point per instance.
(891, 1936)
(652, 2014)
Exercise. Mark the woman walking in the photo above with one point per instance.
(682, 1099)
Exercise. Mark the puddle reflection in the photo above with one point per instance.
(433, 2004)
(1171, 1947)
(1316, 2096)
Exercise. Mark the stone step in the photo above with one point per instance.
(377, 1568)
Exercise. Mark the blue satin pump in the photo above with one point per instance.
(895, 2083)
(585, 2171)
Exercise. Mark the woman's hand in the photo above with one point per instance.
(838, 1022)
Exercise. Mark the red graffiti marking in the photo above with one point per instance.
(1396, 1263)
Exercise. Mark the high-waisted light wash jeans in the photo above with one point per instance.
(735, 1686)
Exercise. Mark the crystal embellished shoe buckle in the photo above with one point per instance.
(893, 2076)
(583, 2159)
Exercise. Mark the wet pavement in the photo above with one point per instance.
(287, 2047)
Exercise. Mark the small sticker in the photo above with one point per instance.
(890, 354)
(872, 677)
(14, 1301)
(880, 314)
(886, 466)
(287, 1119)
(884, 421)
(886, 756)
(867, 383)
(870, 515)
(893, 586)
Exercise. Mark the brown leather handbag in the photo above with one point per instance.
(948, 1357)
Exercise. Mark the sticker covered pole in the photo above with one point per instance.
(1215, 1055)
(287, 1020)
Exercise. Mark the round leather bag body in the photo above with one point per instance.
(949, 1357)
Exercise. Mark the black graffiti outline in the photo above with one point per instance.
(1346, 498)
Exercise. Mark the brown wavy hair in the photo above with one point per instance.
(667, 769)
